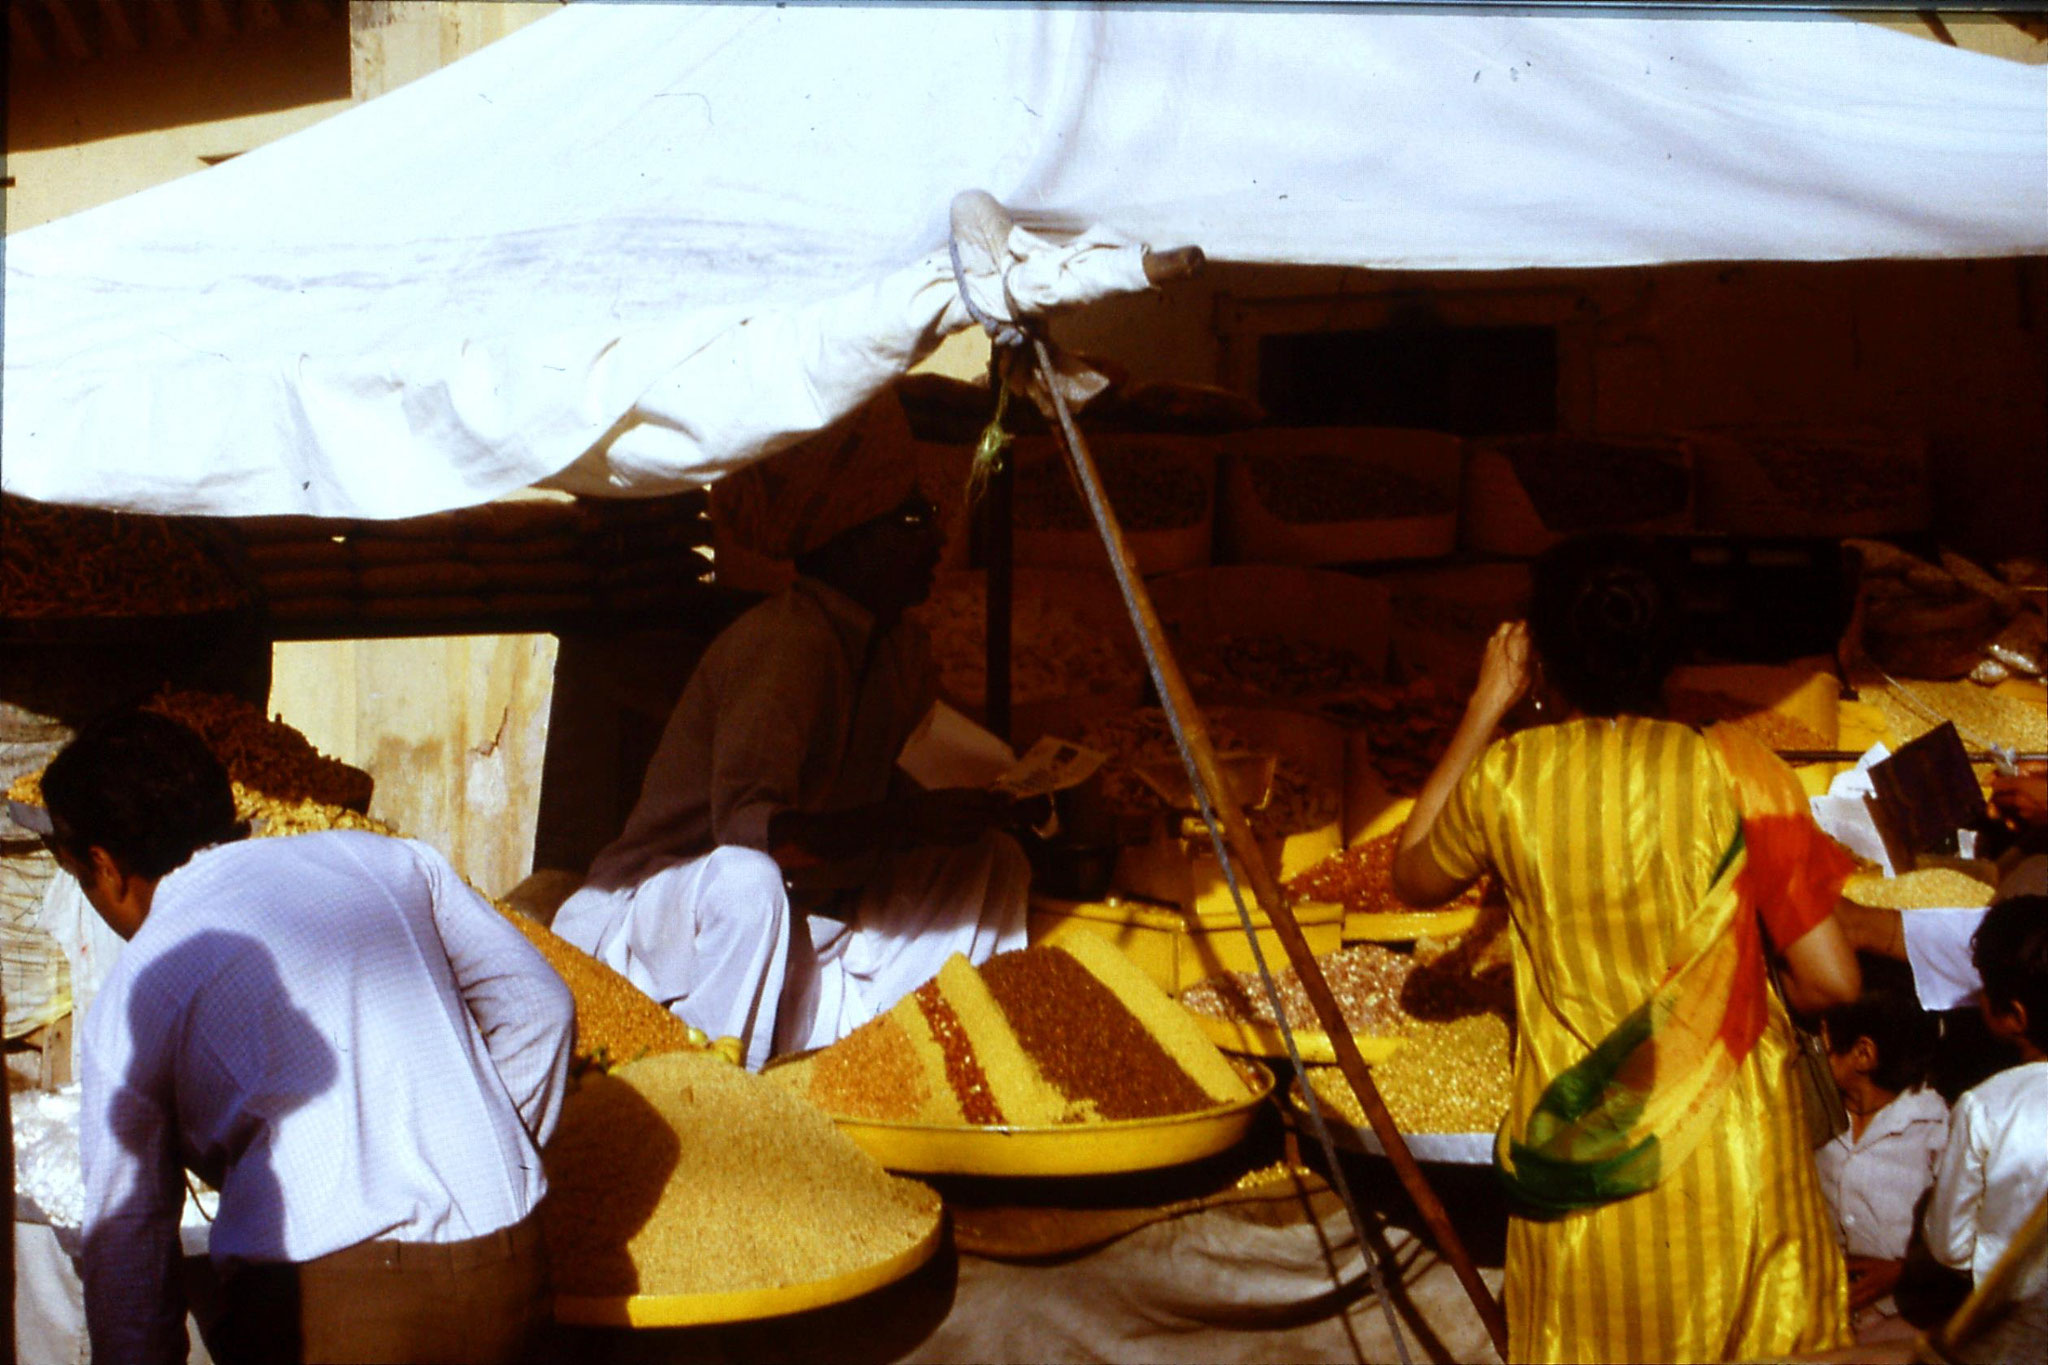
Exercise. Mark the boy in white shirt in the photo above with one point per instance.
(1875, 1173)
(1995, 1171)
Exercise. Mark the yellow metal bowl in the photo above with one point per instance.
(1111, 1148)
(744, 1305)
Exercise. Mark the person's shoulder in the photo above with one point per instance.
(2016, 1088)
(773, 625)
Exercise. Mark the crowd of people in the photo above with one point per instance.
(365, 1059)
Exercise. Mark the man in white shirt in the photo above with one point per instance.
(1994, 1174)
(333, 1030)
(778, 881)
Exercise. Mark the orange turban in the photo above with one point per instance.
(797, 499)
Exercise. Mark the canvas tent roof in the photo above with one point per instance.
(667, 239)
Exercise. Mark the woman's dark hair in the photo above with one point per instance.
(144, 788)
(2010, 949)
(1888, 1013)
(1603, 618)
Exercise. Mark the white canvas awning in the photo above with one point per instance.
(655, 241)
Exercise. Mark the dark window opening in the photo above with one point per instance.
(1473, 381)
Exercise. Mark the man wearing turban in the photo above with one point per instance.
(779, 881)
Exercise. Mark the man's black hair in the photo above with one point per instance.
(144, 788)
(2010, 949)
(1888, 1013)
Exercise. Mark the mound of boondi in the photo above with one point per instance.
(616, 1021)
(1062, 1033)
(683, 1174)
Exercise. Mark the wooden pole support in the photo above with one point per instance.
(1266, 890)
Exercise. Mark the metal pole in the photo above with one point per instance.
(1208, 778)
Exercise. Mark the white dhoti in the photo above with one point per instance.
(922, 907)
(711, 939)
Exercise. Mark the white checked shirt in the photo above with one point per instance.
(340, 1036)
(1873, 1183)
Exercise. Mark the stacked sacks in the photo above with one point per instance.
(1064, 1033)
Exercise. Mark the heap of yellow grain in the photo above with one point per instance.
(683, 1174)
(616, 1021)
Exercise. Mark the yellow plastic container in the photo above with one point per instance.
(1178, 948)
(1402, 925)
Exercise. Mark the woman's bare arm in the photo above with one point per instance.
(1503, 678)
(1821, 970)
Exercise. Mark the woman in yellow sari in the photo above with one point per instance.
(1665, 1196)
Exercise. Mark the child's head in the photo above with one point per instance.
(2010, 949)
(1883, 1033)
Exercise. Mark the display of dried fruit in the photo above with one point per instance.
(1843, 471)
(1366, 980)
(1135, 739)
(1151, 488)
(1408, 726)
(1919, 619)
(81, 562)
(1361, 879)
(1273, 667)
(1583, 484)
(1053, 652)
(1380, 990)
(1307, 487)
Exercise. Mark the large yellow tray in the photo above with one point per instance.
(1452, 1149)
(1068, 1149)
(1264, 1040)
(1397, 926)
(744, 1305)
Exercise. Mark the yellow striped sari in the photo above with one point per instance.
(1653, 1127)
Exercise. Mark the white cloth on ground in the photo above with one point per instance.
(798, 705)
(335, 1032)
(1874, 1182)
(1994, 1173)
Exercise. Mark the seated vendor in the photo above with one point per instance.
(779, 880)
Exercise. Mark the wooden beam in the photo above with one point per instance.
(1936, 27)
(258, 14)
(23, 33)
(70, 34)
(216, 18)
(118, 27)
(166, 23)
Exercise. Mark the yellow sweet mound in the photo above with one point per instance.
(1061, 1033)
(1450, 1078)
(682, 1174)
(615, 1020)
